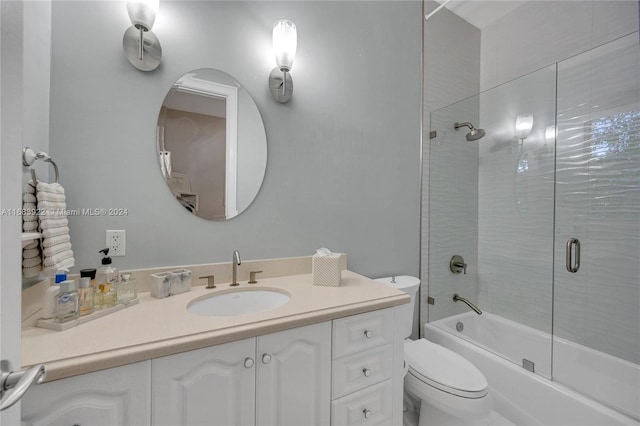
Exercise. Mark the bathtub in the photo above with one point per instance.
(532, 398)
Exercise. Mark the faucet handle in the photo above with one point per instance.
(210, 281)
(252, 276)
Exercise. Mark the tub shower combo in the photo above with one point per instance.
(534, 223)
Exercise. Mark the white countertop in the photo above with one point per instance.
(161, 327)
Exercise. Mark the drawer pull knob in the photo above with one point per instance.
(266, 359)
(248, 362)
(366, 413)
(366, 372)
(368, 334)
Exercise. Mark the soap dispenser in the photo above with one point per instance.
(67, 302)
(107, 279)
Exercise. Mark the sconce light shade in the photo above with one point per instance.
(141, 46)
(524, 124)
(143, 12)
(285, 43)
(550, 134)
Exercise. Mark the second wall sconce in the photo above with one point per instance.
(285, 43)
(524, 125)
(141, 46)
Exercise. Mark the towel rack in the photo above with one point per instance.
(29, 157)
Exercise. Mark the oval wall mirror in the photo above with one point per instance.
(212, 147)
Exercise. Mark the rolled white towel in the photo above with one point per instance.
(31, 253)
(29, 197)
(58, 258)
(31, 226)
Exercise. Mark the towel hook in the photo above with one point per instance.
(29, 157)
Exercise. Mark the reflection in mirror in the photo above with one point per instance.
(211, 143)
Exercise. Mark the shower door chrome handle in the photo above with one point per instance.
(573, 255)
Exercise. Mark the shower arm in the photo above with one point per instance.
(466, 123)
(457, 298)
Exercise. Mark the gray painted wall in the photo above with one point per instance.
(343, 156)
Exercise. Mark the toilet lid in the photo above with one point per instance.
(444, 369)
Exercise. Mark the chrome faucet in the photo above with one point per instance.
(457, 298)
(235, 262)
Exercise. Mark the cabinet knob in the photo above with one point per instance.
(366, 413)
(248, 362)
(366, 372)
(266, 358)
(368, 334)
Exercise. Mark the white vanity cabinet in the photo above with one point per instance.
(275, 379)
(367, 369)
(117, 396)
(210, 386)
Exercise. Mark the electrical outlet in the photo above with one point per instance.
(117, 242)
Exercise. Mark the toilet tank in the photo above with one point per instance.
(409, 285)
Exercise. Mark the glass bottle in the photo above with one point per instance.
(126, 289)
(67, 302)
(85, 297)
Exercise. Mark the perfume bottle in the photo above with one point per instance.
(107, 296)
(126, 288)
(67, 302)
(85, 297)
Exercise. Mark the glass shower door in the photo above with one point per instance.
(596, 316)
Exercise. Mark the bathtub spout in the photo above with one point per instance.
(457, 298)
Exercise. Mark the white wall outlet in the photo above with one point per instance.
(117, 242)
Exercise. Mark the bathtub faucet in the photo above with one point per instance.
(457, 298)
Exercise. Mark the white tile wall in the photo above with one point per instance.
(515, 207)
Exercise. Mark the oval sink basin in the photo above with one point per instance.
(240, 302)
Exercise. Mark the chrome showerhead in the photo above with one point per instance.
(474, 134)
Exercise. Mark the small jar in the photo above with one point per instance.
(85, 296)
(67, 302)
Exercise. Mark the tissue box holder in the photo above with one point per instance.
(326, 270)
(165, 284)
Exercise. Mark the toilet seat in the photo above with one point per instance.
(444, 369)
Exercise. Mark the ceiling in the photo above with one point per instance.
(481, 13)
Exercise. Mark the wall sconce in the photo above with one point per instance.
(141, 46)
(285, 42)
(524, 124)
(550, 134)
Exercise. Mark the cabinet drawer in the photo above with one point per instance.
(370, 406)
(357, 371)
(361, 332)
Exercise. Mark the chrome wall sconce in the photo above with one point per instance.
(285, 43)
(524, 125)
(141, 46)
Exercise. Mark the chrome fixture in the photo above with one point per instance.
(252, 277)
(235, 262)
(210, 281)
(14, 384)
(29, 157)
(573, 261)
(285, 43)
(474, 134)
(141, 46)
(457, 298)
(457, 264)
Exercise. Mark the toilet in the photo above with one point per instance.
(451, 390)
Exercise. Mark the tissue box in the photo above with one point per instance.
(326, 270)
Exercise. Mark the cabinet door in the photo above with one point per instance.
(294, 377)
(117, 396)
(212, 386)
